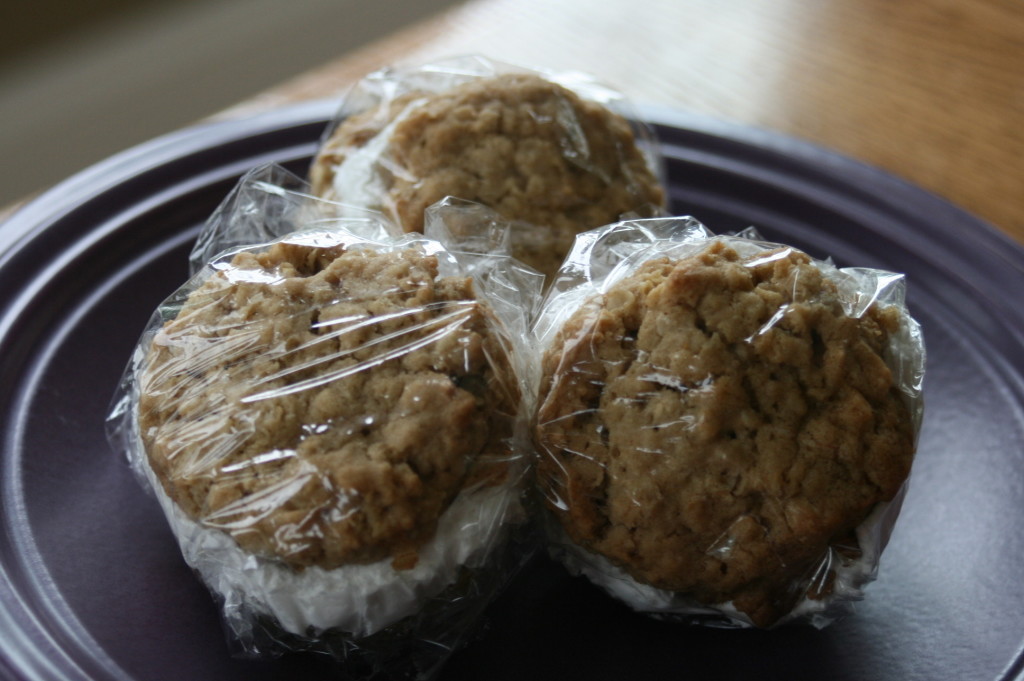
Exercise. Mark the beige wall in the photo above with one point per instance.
(77, 86)
(39, 24)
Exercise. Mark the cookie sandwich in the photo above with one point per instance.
(550, 161)
(726, 426)
(328, 423)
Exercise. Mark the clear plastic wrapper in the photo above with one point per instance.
(725, 426)
(270, 202)
(554, 154)
(329, 421)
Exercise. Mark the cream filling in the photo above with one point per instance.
(358, 599)
(850, 578)
(357, 184)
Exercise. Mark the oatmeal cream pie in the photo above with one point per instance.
(324, 408)
(718, 425)
(535, 152)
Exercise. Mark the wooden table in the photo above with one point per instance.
(929, 90)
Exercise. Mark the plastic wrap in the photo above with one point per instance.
(329, 421)
(554, 154)
(725, 426)
(270, 202)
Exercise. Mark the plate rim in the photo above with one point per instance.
(66, 195)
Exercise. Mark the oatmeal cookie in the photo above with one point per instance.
(713, 425)
(529, 149)
(324, 406)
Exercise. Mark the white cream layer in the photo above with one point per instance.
(357, 183)
(850, 579)
(359, 599)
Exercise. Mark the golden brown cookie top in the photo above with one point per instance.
(713, 425)
(527, 148)
(323, 406)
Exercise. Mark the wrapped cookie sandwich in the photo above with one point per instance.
(725, 426)
(553, 154)
(328, 421)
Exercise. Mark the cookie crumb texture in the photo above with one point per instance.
(718, 426)
(527, 148)
(324, 406)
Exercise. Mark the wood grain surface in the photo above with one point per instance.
(929, 90)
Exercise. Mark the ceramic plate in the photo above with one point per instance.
(91, 582)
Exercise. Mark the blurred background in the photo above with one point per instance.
(930, 90)
(83, 79)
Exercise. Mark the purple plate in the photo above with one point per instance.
(91, 582)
